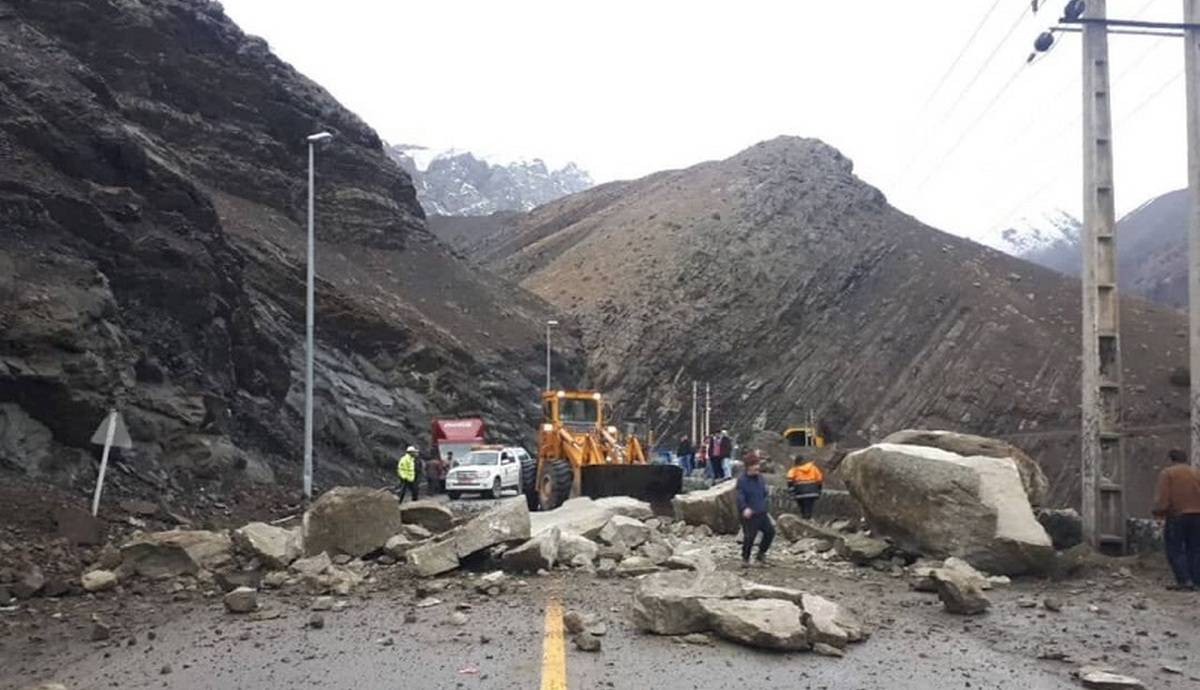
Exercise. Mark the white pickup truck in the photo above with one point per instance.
(489, 470)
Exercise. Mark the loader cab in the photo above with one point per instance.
(803, 437)
(577, 411)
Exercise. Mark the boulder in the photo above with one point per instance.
(715, 507)
(624, 530)
(793, 528)
(625, 506)
(754, 590)
(767, 623)
(30, 580)
(176, 552)
(1064, 525)
(432, 516)
(312, 566)
(241, 600)
(695, 559)
(539, 553)
(940, 504)
(98, 580)
(351, 520)
(416, 532)
(669, 603)
(398, 546)
(1033, 479)
(924, 581)
(275, 546)
(1104, 678)
(657, 551)
(960, 592)
(828, 623)
(861, 549)
(506, 523)
(433, 558)
(571, 546)
(636, 565)
(586, 517)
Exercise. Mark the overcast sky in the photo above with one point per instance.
(628, 88)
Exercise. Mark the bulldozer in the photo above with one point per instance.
(579, 456)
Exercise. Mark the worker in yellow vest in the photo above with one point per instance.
(406, 470)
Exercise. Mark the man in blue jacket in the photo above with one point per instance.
(752, 506)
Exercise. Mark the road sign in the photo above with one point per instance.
(120, 437)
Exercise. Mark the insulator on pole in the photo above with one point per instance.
(1074, 9)
(1043, 42)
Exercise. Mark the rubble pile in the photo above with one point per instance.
(755, 615)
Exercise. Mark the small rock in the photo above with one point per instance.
(410, 617)
(428, 602)
(697, 638)
(1052, 604)
(322, 604)
(459, 618)
(1106, 679)
(386, 641)
(342, 559)
(828, 650)
(1026, 603)
(100, 631)
(587, 642)
(165, 670)
(98, 580)
(241, 600)
(316, 621)
(573, 622)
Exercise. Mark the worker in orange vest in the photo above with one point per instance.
(804, 483)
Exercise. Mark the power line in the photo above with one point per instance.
(966, 47)
(966, 89)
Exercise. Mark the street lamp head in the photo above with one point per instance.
(551, 322)
(319, 137)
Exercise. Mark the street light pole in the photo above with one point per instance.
(549, 323)
(313, 140)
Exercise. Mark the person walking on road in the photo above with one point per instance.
(1177, 504)
(687, 455)
(406, 470)
(720, 447)
(752, 507)
(804, 483)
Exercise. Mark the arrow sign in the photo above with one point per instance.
(111, 432)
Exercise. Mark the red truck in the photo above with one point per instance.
(456, 436)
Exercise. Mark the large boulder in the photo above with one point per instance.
(433, 558)
(572, 545)
(827, 622)
(176, 552)
(671, 603)
(539, 553)
(432, 516)
(794, 528)
(626, 506)
(960, 592)
(507, 522)
(1032, 477)
(274, 546)
(352, 520)
(715, 507)
(941, 504)
(624, 530)
(767, 623)
(586, 517)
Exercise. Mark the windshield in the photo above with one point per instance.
(577, 411)
(481, 457)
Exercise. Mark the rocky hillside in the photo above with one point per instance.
(793, 286)
(153, 195)
(1151, 250)
(458, 183)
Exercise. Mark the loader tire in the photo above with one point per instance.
(529, 483)
(554, 486)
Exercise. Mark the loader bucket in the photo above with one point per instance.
(651, 483)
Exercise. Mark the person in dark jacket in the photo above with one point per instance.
(686, 454)
(720, 447)
(752, 499)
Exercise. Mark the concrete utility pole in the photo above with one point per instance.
(1191, 67)
(1103, 449)
(707, 410)
(695, 439)
(549, 323)
(313, 140)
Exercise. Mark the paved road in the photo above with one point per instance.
(503, 645)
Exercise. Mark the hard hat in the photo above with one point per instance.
(410, 449)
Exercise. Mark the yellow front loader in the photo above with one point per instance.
(579, 455)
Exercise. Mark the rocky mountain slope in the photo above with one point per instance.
(1151, 250)
(793, 286)
(458, 183)
(153, 196)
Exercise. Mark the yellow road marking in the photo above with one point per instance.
(554, 654)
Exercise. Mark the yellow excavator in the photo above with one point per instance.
(579, 455)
